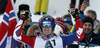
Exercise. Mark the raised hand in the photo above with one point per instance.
(25, 15)
(74, 12)
(84, 5)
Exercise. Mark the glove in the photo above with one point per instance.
(74, 12)
(25, 15)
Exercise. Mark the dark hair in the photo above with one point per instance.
(67, 16)
(88, 19)
(93, 13)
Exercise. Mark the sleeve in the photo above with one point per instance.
(73, 30)
(76, 37)
(81, 16)
(22, 38)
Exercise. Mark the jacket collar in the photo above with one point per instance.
(45, 37)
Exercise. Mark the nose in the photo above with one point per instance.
(46, 26)
(87, 26)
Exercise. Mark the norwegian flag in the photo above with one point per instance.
(8, 24)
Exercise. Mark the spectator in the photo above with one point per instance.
(24, 8)
(68, 21)
(41, 6)
(48, 39)
(91, 39)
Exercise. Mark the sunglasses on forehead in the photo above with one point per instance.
(46, 23)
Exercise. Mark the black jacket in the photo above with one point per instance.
(94, 40)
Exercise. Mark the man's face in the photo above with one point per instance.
(90, 15)
(47, 30)
(47, 27)
(87, 27)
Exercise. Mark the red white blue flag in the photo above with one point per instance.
(8, 24)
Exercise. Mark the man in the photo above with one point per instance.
(26, 22)
(22, 9)
(68, 22)
(91, 39)
(48, 39)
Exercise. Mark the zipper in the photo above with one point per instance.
(88, 42)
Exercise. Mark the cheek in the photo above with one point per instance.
(91, 28)
(43, 29)
(50, 29)
(83, 27)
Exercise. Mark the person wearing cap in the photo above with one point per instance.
(68, 22)
(90, 39)
(48, 38)
(23, 8)
(92, 14)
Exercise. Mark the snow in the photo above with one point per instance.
(56, 8)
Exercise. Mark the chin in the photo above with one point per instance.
(46, 34)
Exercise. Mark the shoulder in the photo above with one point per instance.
(96, 21)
